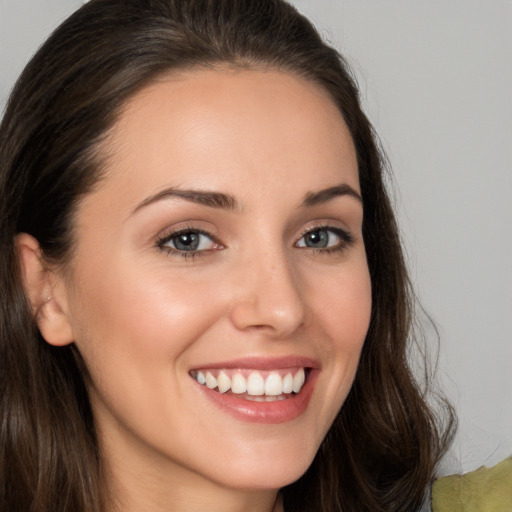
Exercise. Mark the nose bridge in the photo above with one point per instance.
(270, 296)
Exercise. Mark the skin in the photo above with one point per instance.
(143, 317)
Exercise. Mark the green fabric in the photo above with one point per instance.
(483, 490)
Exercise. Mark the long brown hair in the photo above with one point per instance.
(382, 449)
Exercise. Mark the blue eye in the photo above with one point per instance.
(324, 238)
(189, 241)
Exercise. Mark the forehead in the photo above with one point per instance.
(223, 128)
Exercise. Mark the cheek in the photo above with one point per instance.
(134, 329)
(342, 307)
(147, 297)
(129, 318)
(342, 314)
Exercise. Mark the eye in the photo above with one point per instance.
(325, 238)
(188, 242)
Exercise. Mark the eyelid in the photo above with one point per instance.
(169, 234)
(185, 226)
(344, 234)
(324, 224)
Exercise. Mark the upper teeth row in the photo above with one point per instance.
(254, 384)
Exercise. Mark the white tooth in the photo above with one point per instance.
(298, 380)
(200, 377)
(211, 381)
(238, 384)
(288, 383)
(273, 384)
(255, 384)
(224, 382)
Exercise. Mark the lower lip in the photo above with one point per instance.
(279, 411)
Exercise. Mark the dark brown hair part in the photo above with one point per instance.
(382, 449)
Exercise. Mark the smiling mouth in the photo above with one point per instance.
(254, 385)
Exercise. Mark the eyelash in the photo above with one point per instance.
(345, 237)
(161, 243)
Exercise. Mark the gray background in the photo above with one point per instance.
(436, 81)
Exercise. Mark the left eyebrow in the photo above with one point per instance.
(322, 196)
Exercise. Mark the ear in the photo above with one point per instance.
(45, 291)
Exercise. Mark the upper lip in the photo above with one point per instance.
(263, 363)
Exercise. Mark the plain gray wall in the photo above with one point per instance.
(436, 80)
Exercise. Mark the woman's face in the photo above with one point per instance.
(222, 250)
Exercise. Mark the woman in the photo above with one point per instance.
(205, 302)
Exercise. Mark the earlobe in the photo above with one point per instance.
(46, 297)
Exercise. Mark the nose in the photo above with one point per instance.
(269, 297)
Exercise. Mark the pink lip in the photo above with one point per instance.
(280, 411)
(259, 363)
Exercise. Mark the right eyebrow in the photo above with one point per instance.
(203, 197)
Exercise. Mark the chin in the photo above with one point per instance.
(266, 469)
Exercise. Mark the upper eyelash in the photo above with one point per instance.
(345, 235)
(161, 241)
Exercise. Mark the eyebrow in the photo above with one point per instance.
(228, 202)
(205, 198)
(322, 196)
